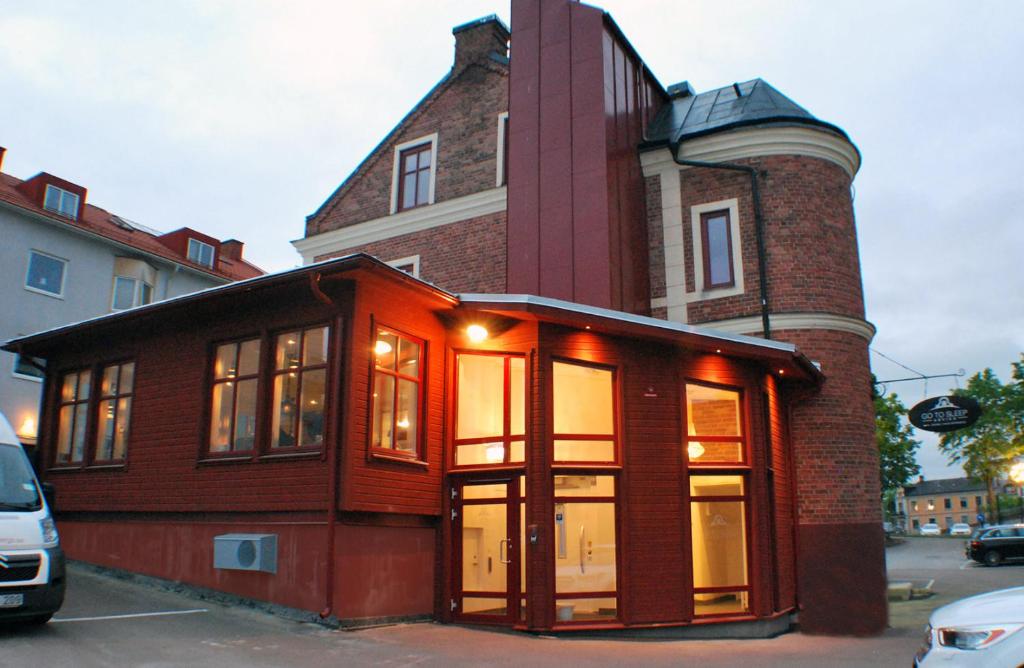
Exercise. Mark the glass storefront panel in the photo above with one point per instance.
(585, 609)
(584, 451)
(716, 485)
(485, 556)
(583, 402)
(481, 402)
(720, 603)
(479, 453)
(714, 452)
(498, 490)
(585, 559)
(719, 544)
(711, 411)
(585, 485)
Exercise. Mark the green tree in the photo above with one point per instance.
(896, 443)
(989, 446)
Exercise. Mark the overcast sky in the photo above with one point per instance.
(239, 118)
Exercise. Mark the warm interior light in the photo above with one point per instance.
(476, 333)
(382, 347)
(495, 452)
(694, 450)
(27, 430)
(782, 371)
(587, 327)
(403, 423)
(718, 350)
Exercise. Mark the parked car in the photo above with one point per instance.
(930, 529)
(995, 544)
(31, 561)
(960, 529)
(984, 630)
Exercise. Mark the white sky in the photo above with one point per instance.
(239, 118)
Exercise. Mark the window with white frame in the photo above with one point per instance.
(61, 201)
(410, 265)
(717, 252)
(200, 252)
(45, 274)
(130, 292)
(414, 174)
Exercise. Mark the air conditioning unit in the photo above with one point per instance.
(246, 552)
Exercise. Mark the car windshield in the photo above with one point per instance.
(18, 489)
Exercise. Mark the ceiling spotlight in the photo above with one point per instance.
(476, 333)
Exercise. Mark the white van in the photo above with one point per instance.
(31, 562)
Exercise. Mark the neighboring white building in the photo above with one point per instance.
(63, 260)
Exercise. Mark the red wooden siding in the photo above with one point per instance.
(378, 485)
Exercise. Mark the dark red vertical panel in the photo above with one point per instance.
(523, 261)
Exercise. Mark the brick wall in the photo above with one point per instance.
(811, 242)
(464, 112)
(467, 256)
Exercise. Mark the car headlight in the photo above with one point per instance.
(49, 530)
(976, 637)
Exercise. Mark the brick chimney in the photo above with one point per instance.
(2, 152)
(231, 249)
(480, 39)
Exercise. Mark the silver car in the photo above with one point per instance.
(984, 631)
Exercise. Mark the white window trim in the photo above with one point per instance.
(414, 260)
(500, 171)
(63, 275)
(135, 292)
(432, 140)
(701, 292)
(14, 372)
(213, 252)
(63, 193)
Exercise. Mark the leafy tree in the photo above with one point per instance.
(988, 447)
(896, 443)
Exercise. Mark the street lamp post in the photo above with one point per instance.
(1017, 475)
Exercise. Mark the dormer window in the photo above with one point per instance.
(61, 201)
(200, 253)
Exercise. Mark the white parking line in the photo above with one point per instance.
(133, 616)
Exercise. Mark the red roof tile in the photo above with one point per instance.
(101, 223)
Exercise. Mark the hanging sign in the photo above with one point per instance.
(942, 414)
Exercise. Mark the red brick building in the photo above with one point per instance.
(593, 183)
(636, 443)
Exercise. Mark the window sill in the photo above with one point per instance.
(387, 456)
(53, 295)
(297, 454)
(106, 466)
(226, 459)
(66, 468)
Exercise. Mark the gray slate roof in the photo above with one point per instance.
(944, 486)
(689, 115)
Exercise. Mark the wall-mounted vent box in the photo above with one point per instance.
(246, 552)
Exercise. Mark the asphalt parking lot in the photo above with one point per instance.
(111, 622)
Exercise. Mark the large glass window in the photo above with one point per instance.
(45, 274)
(718, 500)
(397, 394)
(73, 416)
(713, 426)
(718, 526)
(114, 412)
(300, 382)
(233, 397)
(584, 413)
(490, 413)
(586, 576)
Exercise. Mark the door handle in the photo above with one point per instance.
(504, 555)
(583, 542)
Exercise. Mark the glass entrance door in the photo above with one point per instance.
(487, 550)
